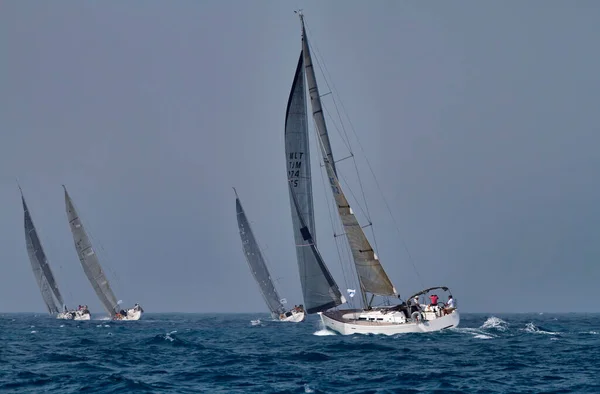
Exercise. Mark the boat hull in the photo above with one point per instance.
(296, 317)
(132, 314)
(73, 315)
(343, 326)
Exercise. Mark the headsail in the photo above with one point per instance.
(39, 263)
(318, 287)
(372, 276)
(257, 263)
(89, 260)
(327, 295)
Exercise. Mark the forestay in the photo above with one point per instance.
(318, 287)
(89, 260)
(39, 263)
(257, 263)
(372, 276)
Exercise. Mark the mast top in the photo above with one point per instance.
(235, 191)
(19, 186)
(301, 15)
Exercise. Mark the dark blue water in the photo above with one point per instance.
(190, 353)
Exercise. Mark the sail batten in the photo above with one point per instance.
(372, 276)
(319, 289)
(257, 264)
(39, 264)
(89, 260)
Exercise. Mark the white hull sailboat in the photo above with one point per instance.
(359, 321)
(91, 266)
(43, 273)
(261, 274)
(74, 315)
(321, 293)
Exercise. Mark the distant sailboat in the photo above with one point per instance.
(93, 270)
(43, 273)
(321, 293)
(261, 274)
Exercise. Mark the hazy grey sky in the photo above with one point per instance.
(480, 120)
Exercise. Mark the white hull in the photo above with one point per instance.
(296, 317)
(388, 323)
(73, 315)
(132, 314)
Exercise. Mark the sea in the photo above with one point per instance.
(234, 353)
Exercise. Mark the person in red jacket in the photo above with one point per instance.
(434, 299)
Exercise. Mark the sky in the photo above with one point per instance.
(479, 121)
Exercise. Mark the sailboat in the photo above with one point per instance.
(321, 292)
(261, 273)
(93, 270)
(43, 273)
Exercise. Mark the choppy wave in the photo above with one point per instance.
(225, 353)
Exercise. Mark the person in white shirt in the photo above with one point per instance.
(450, 302)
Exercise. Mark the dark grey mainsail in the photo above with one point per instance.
(257, 264)
(39, 263)
(89, 259)
(318, 287)
(372, 277)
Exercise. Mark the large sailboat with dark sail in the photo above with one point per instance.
(261, 274)
(321, 293)
(93, 270)
(43, 273)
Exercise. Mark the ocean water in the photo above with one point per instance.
(225, 353)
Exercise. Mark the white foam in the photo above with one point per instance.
(33, 332)
(323, 333)
(307, 389)
(168, 336)
(531, 328)
(494, 323)
(476, 332)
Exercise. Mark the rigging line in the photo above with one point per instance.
(326, 78)
(335, 126)
(333, 89)
(331, 219)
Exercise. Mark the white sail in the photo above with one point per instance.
(318, 287)
(39, 264)
(89, 260)
(372, 276)
(257, 264)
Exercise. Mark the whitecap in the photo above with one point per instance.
(33, 332)
(531, 328)
(307, 389)
(494, 323)
(482, 336)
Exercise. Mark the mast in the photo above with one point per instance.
(319, 290)
(39, 263)
(255, 260)
(89, 259)
(372, 277)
